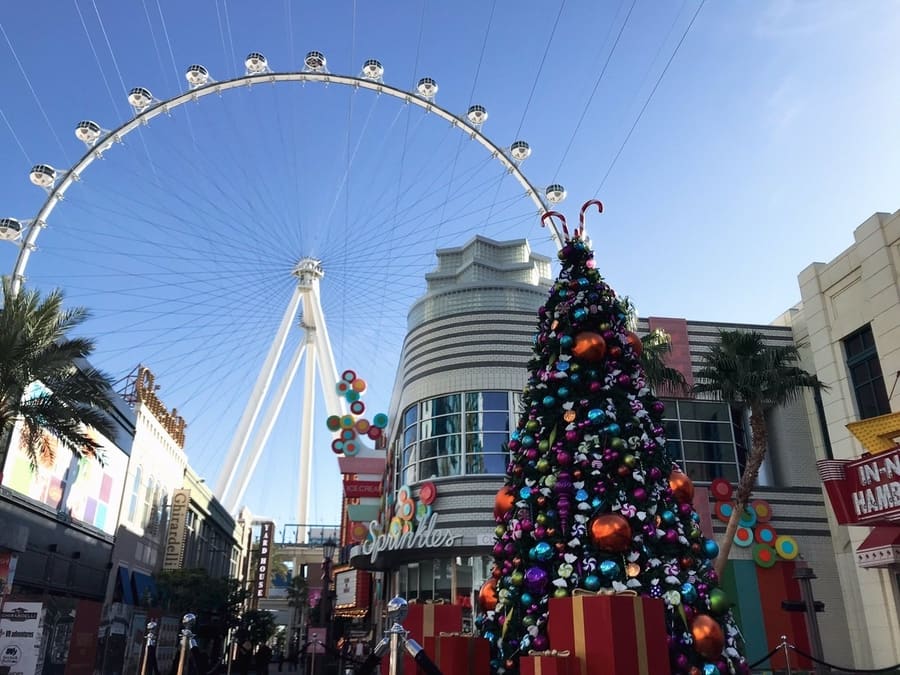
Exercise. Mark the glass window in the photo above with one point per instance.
(708, 452)
(409, 436)
(707, 472)
(704, 411)
(135, 495)
(443, 405)
(438, 426)
(409, 417)
(865, 374)
(489, 421)
(706, 431)
(700, 437)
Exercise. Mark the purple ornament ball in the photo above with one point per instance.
(571, 435)
(536, 579)
(498, 549)
(540, 642)
(655, 473)
(623, 380)
(658, 407)
(670, 537)
(685, 508)
(526, 525)
(563, 458)
(640, 494)
(595, 387)
(681, 661)
(531, 454)
(539, 532)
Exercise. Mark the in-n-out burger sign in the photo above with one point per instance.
(426, 536)
(864, 491)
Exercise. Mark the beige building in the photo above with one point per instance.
(849, 321)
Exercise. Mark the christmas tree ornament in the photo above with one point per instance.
(487, 596)
(592, 502)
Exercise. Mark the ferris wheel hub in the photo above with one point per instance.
(308, 271)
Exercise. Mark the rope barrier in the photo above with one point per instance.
(765, 658)
(858, 671)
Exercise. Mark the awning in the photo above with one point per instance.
(145, 589)
(362, 513)
(125, 583)
(880, 549)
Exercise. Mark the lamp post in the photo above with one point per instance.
(325, 618)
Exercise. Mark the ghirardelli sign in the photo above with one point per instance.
(174, 553)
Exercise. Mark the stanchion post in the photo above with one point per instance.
(186, 634)
(149, 641)
(312, 661)
(804, 575)
(787, 654)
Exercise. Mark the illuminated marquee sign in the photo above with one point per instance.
(426, 535)
(174, 556)
(262, 569)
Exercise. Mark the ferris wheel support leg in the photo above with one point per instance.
(242, 434)
(268, 423)
(307, 430)
(334, 404)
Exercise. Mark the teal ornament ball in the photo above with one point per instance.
(543, 551)
(525, 492)
(668, 517)
(592, 582)
(566, 341)
(527, 441)
(610, 569)
(580, 313)
(710, 548)
(688, 593)
(562, 392)
(526, 599)
(596, 415)
(548, 401)
(613, 429)
(711, 669)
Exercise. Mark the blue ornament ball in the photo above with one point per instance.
(562, 366)
(596, 415)
(548, 401)
(592, 582)
(688, 593)
(527, 440)
(668, 517)
(525, 492)
(613, 429)
(566, 340)
(580, 313)
(581, 495)
(610, 569)
(710, 548)
(562, 392)
(526, 598)
(711, 669)
(543, 551)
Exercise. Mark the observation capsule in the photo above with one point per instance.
(315, 61)
(87, 131)
(139, 98)
(372, 70)
(427, 88)
(10, 229)
(196, 75)
(255, 63)
(520, 151)
(477, 115)
(42, 175)
(555, 193)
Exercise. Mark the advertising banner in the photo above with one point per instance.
(174, 555)
(864, 491)
(267, 529)
(7, 572)
(362, 488)
(345, 586)
(21, 629)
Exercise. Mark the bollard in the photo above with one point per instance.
(149, 641)
(187, 621)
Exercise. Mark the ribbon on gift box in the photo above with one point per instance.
(538, 664)
(442, 634)
(551, 652)
(603, 591)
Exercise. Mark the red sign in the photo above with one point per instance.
(362, 488)
(864, 491)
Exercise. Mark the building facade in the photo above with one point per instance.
(849, 322)
(456, 400)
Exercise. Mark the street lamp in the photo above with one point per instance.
(325, 618)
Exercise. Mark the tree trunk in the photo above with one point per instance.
(759, 445)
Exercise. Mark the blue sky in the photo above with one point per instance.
(770, 136)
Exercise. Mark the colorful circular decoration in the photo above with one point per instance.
(374, 433)
(380, 420)
(348, 376)
(337, 446)
(743, 537)
(333, 422)
(748, 518)
(357, 407)
(396, 527)
(362, 426)
(348, 435)
(351, 448)
(342, 388)
(347, 421)
(764, 555)
(358, 531)
(427, 493)
(763, 510)
(422, 511)
(765, 534)
(721, 489)
(723, 511)
(405, 510)
(786, 547)
(359, 385)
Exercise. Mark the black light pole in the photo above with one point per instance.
(325, 618)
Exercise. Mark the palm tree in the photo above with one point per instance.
(72, 396)
(743, 370)
(661, 378)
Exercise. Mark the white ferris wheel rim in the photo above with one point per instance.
(156, 108)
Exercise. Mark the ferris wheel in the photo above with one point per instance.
(248, 223)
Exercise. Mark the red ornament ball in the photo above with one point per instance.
(504, 502)
(635, 343)
(682, 487)
(589, 346)
(709, 640)
(611, 532)
(487, 596)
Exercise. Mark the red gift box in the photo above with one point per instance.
(549, 663)
(611, 634)
(457, 653)
(424, 623)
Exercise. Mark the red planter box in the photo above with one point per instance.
(554, 664)
(462, 654)
(424, 623)
(611, 634)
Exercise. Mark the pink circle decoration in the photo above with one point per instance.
(721, 489)
(427, 492)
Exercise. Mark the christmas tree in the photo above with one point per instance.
(592, 501)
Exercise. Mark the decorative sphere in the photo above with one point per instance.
(711, 669)
(613, 429)
(504, 502)
(591, 582)
(487, 596)
(540, 642)
(635, 343)
(566, 341)
(718, 601)
(611, 532)
(682, 487)
(709, 640)
(610, 569)
(589, 346)
(640, 494)
(543, 551)
(668, 517)
(548, 401)
(688, 593)
(536, 579)
(710, 548)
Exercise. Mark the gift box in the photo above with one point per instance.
(462, 653)
(424, 623)
(549, 663)
(611, 634)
